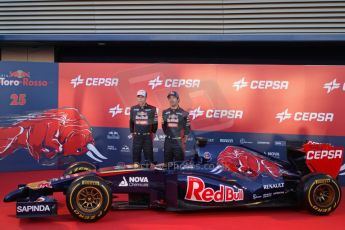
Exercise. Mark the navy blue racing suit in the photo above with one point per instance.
(143, 125)
(176, 127)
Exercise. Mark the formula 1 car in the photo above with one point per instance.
(232, 177)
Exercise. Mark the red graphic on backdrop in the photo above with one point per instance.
(239, 160)
(324, 158)
(302, 100)
(50, 136)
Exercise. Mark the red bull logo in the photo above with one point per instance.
(197, 191)
(50, 135)
(19, 74)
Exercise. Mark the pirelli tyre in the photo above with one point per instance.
(89, 198)
(321, 193)
(77, 167)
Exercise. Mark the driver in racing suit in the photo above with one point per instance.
(176, 127)
(143, 124)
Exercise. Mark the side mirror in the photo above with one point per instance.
(201, 141)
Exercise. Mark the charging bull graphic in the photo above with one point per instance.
(51, 137)
(239, 160)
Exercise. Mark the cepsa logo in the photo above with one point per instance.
(94, 81)
(305, 116)
(261, 84)
(332, 85)
(196, 191)
(20, 78)
(337, 152)
(174, 83)
(216, 113)
(117, 109)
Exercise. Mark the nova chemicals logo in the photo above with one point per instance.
(332, 85)
(94, 81)
(260, 84)
(305, 116)
(134, 181)
(174, 83)
(123, 183)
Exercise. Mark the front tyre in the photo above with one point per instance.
(322, 194)
(77, 167)
(89, 198)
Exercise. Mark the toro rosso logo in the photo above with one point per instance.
(260, 84)
(174, 83)
(20, 78)
(196, 191)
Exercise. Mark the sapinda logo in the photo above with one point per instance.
(216, 113)
(305, 116)
(34, 208)
(174, 83)
(332, 85)
(94, 81)
(117, 109)
(260, 84)
(196, 191)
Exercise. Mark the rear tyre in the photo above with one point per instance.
(77, 167)
(321, 194)
(89, 198)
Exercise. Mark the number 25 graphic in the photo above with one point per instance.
(18, 99)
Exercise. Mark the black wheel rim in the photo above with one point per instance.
(324, 195)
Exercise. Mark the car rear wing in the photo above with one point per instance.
(309, 156)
